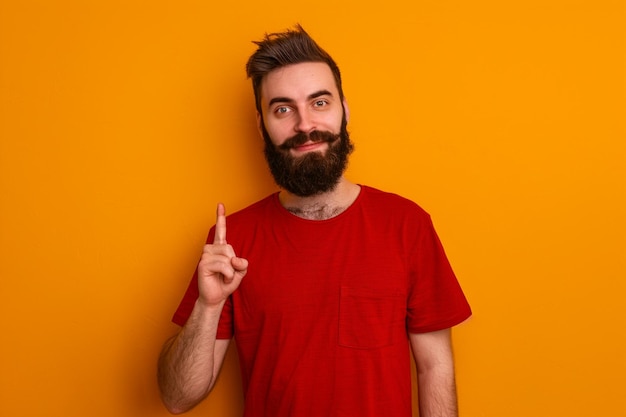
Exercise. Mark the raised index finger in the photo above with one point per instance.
(220, 226)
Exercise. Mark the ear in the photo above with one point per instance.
(346, 109)
(259, 122)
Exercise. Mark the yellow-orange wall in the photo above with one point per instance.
(122, 123)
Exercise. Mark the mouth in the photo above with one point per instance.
(310, 146)
(306, 142)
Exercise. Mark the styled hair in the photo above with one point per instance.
(277, 50)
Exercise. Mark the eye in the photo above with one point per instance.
(320, 103)
(281, 110)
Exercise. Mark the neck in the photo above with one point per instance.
(322, 206)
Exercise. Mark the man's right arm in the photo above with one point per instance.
(191, 360)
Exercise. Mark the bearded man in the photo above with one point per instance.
(344, 280)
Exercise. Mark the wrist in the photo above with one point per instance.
(208, 307)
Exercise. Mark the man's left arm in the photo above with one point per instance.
(435, 373)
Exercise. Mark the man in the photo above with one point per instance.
(341, 282)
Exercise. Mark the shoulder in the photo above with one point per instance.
(400, 219)
(391, 203)
(244, 223)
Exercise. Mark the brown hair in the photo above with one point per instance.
(277, 50)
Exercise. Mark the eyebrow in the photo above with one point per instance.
(309, 97)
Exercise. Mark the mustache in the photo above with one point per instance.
(302, 138)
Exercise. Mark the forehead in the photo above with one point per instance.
(298, 81)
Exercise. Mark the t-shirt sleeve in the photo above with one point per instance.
(182, 313)
(436, 300)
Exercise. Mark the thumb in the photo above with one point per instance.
(240, 264)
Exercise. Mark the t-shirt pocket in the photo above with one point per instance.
(370, 318)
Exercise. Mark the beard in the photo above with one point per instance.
(314, 172)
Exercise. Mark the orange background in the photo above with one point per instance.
(122, 124)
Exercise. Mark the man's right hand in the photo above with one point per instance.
(220, 271)
(191, 360)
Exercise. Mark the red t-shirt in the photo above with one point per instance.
(322, 316)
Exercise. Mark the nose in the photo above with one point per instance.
(305, 122)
